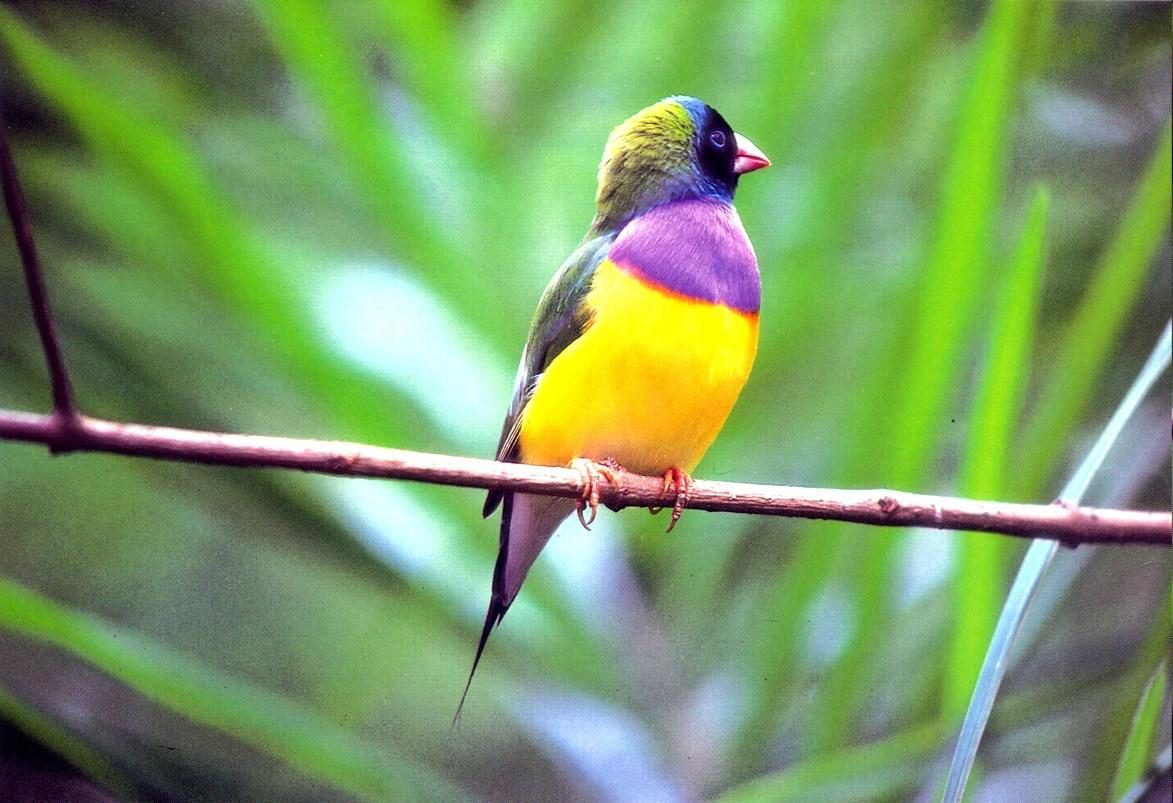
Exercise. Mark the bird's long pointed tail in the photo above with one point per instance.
(527, 522)
(497, 600)
(492, 619)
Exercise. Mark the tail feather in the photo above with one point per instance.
(493, 618)
(527, 522)
(497, 600)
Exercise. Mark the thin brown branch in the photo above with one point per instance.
(1072, 525)
(22, 229)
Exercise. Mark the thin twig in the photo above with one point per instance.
(63, 406)
(1070, 524)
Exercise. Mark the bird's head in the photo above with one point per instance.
(677, 148)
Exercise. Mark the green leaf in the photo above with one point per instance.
(885, 769)
(950, 291)
(1092, 333)
(952, 284)
(1137, 753)
(328, 65)
(226, 254)
(985, 474)
(861, 147)
(264, 720)
(1032, 570)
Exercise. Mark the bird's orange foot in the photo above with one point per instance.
(591, 473)
(675, 478)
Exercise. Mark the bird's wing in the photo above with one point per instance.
(558, 322)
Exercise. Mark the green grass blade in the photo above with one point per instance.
(846, 159)
(1034, 566)
(1149, 788)
(882, 770)
(950, 291)
(958, 261)
(978, 578)
(315, 47)
(1083, 354)
(1138, 747)
(264, 720)
(214, 250)
(1122, 691)
(163, 166)
(128, 136)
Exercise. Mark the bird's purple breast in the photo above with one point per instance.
(696, 248)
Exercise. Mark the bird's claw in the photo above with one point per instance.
(675, 478)
(591, 472)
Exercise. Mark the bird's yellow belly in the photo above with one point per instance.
(649, 384)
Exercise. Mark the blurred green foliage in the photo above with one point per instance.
(333, 220)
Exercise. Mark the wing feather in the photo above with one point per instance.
(559, 320)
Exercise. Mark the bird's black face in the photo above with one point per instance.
(717, 150)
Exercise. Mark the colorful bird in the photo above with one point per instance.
(645, 336)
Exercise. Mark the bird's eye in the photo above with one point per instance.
(717, 138)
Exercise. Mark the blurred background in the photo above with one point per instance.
(334, 220)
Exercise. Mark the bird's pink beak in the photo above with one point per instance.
(749, 157)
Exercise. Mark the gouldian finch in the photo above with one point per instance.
(645, 336)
